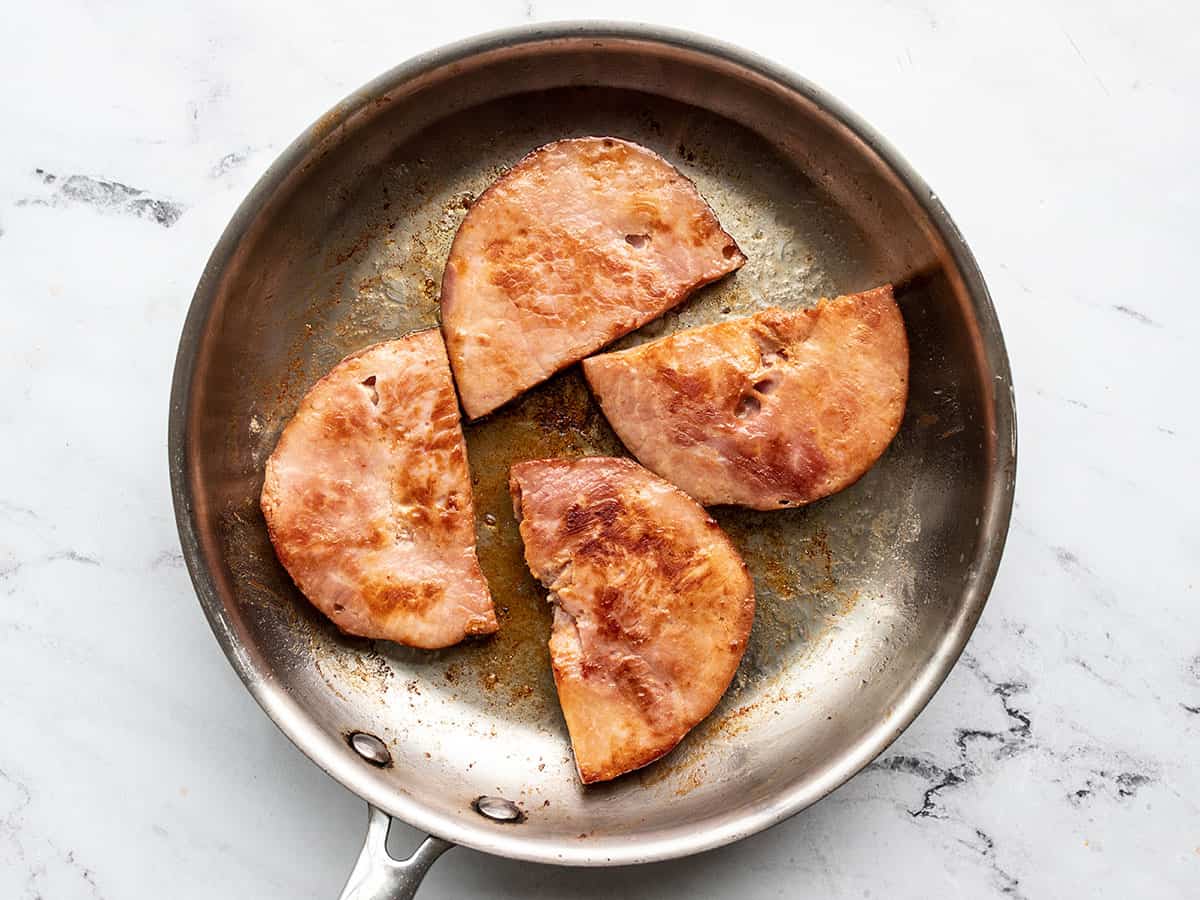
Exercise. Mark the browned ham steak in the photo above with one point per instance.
(368, 499)
(652, 605)
(582, 241)
(781, 408)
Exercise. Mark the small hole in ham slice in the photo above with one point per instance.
(637, 240)
(728, 251)
(765, 385)
(769, 350)
(370, 383)
(748, 405)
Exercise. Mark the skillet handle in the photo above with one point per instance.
(377, 876)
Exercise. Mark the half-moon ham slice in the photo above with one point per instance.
(652, 605)
(582, 241)
(778, 409)
(368, 499)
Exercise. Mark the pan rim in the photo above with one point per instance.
(290, 717)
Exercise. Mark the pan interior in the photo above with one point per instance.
(343, 245)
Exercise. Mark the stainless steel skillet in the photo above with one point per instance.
(865, 600)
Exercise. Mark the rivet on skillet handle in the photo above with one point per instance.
(377, 876)
(370, 748)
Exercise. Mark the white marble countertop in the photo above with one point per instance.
(1059, 759)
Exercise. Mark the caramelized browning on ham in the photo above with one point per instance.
(582, 241)
(778, 409)
(652, 605)
(368, 499)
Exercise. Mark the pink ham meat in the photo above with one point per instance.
(582, 241)
(368, 500)
(652, 605)
(778, 409)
